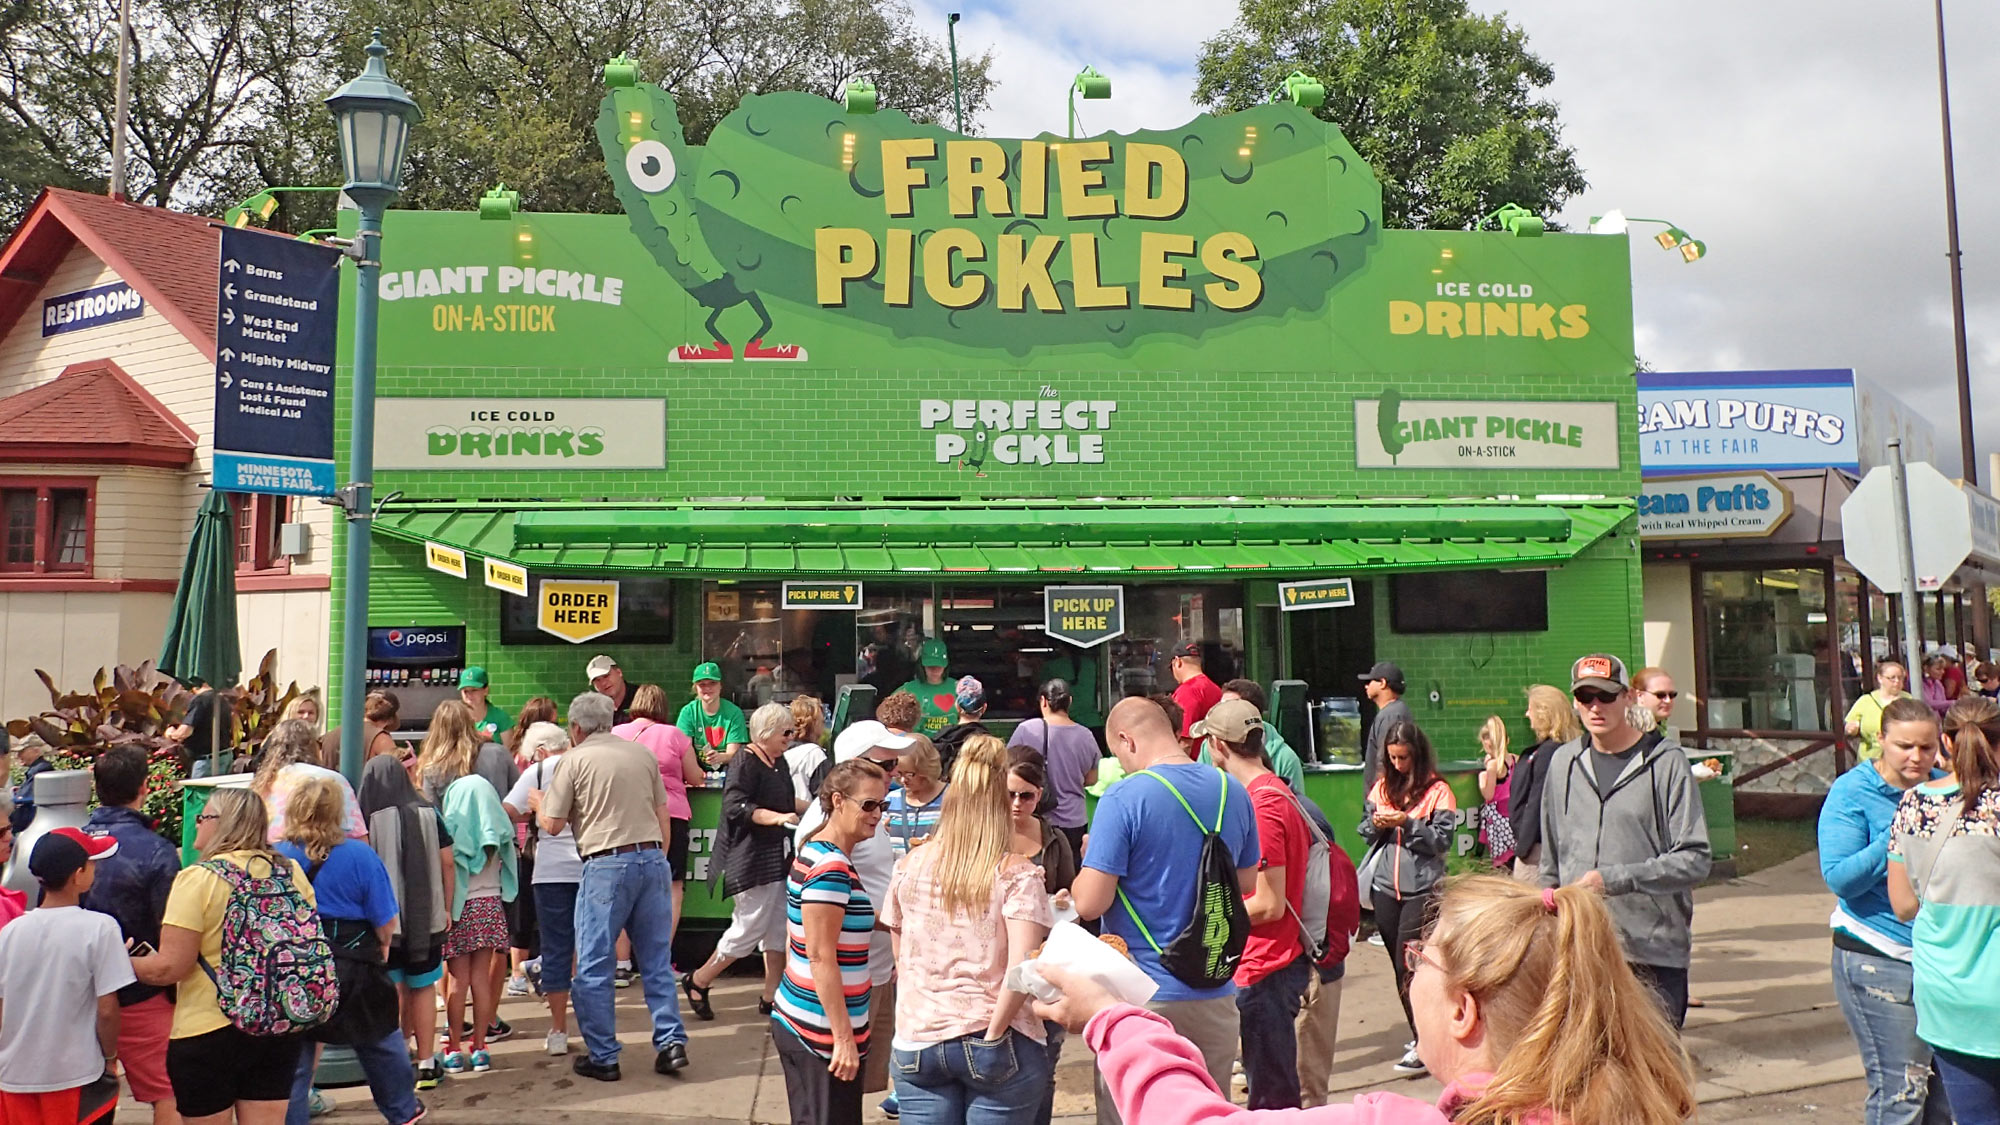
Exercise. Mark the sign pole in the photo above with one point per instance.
(360, 492)
(1906, 552)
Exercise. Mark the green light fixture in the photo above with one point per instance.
(260, 207)
(1303, 90)
(859, 97)
(1517, 221)
(500, 203)
(1092, 85)
(621, 72)
(1672, 238)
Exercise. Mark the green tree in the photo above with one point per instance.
(510, 88)
(1441, 102)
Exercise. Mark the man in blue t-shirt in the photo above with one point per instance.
(1143, 842)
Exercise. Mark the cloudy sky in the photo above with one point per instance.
(1797, 138)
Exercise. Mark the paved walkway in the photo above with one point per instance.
(1771, 1035)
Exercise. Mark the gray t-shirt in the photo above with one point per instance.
(1390, 714)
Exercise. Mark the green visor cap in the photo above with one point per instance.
(473, 677)
(932, 654)
(707, 671)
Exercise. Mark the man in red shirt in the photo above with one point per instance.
(1196, 693)
(1272, 977)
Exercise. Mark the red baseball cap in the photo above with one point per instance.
(63, 852)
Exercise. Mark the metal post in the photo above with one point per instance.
(122, 99)
(1072, 111)
(361, 470)
(1968, 460)
(1906, 566)
(957, 100)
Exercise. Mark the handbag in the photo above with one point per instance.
(1364, 876)
(1499, 831)
(1946, 826)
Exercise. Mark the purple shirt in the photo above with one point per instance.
(1071, 752)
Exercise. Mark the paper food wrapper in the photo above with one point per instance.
(1071, 948)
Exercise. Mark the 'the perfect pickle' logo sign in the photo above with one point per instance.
(1392, 432)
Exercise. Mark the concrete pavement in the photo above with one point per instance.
(1761, 955)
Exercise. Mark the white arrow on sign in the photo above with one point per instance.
(226, 354)
(228, 316)
(227, 381)
(1940, 527)
(229, 291)
(231, 265)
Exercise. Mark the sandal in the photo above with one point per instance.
(697, 998)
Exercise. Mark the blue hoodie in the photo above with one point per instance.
(1854, 858)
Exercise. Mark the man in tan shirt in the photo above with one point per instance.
(609, 789)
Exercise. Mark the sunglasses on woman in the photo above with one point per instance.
(872, 805)
(1018, 796)
(1669, 696)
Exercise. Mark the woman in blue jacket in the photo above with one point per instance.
(1872, 974)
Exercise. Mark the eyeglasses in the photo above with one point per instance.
(1669, 696)
(1414, 957)
(788, 732)
(1589, 696)
(204, 818)
(1015, 795)
(886, 763)
(872, 805)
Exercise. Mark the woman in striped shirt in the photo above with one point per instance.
(820, 1023)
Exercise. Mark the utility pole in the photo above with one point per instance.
(122, 99)
(1968, 459)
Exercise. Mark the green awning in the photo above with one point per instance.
(1127, 541)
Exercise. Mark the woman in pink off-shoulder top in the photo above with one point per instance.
(1524, 1007)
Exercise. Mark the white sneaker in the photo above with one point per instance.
(556, 1042)
(1375, 938)
(516, 986)
(1410, 1065)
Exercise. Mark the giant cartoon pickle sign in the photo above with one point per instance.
(1001, 244)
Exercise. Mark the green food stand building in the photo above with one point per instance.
(837, 382)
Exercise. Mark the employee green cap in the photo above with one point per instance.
(473, 677)
(932, 654)
(707, 671)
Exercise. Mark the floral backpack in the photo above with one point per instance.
(277, 974)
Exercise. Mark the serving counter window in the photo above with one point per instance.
(1158, 618)
(1767, 641)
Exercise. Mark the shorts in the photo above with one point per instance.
(415, 980)
(481, 925)
(142, 1047)
(521, 920)
(213, 1071)
(677, 849)
(51, 1107)
(756, 921)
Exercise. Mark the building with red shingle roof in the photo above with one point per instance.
(107, 394)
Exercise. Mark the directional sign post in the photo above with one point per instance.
(1085, 616)
(821, 595)
(277, 311)
(1316, 593)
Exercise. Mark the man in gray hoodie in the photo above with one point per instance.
(1620, 815)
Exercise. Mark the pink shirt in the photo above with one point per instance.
(669, 745)
(291, 777)
(949, 973)
(1158, 1077)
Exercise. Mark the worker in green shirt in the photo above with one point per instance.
(938, 699)
(488, 720)
(715, 725)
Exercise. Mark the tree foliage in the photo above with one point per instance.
(227, 93)
(1441, 102)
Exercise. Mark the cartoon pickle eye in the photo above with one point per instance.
(651, 166)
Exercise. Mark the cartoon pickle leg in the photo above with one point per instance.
(653, 171)
(976, 458)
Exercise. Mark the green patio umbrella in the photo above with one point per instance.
(201, 644)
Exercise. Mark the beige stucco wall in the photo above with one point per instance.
(143, 516)
(1669, 616)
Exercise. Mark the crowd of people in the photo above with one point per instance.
(891, 877)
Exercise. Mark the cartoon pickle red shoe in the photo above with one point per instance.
(695, 353)
(759, 350)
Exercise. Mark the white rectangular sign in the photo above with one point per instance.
(1397, 433)
(520, 433)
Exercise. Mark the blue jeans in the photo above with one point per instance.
(625, 892)
(1974, 1086)
(1875, 996)
(1055, 1032)
(1269, 1011)
(555, 909)
(973, 1081)
(386, 1064)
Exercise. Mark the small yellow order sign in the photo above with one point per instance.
(576, 609)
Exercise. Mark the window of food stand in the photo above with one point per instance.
(645, 613)
(1766, 643)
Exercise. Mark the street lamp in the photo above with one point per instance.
(374, 115)
(1093, 86)
(1673, 238)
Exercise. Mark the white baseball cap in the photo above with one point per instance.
(600, 665)
(859, 738)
